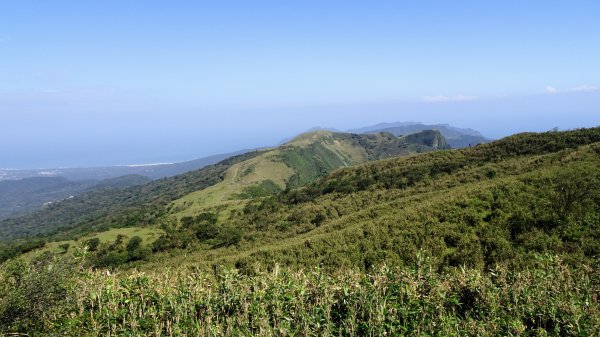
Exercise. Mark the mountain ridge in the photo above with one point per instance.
(382, 126)
(299, 161)
(103, 208)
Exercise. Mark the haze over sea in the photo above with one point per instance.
(110, 82)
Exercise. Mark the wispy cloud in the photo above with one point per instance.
(584, 88)
(581, 88)
(455, 98)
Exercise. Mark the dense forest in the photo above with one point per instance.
(29, 194)
(498, 239)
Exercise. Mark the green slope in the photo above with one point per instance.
(296, 163)
(495, 203)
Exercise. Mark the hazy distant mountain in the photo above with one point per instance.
(456, 137)
(25, 195)
(152, 171)
(381, 126)
(431, 138)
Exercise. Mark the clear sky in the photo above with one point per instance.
(117, 82)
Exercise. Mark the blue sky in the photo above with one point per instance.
(115, 82)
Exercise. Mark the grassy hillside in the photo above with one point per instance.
(496, 203)
(499, 239)
(147, 234)
(297, 163)
(238, 181)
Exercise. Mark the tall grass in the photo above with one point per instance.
(550, 299)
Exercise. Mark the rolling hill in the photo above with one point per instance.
(498, 203)
(294, 164)
(299, 162)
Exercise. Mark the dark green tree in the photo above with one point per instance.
(92, 244)
(134, 243)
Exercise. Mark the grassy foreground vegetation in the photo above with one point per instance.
(499, 239)
(56, 297)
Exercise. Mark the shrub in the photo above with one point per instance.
(134, 243)
(35, 296)
(230, 236)
(92, 244)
